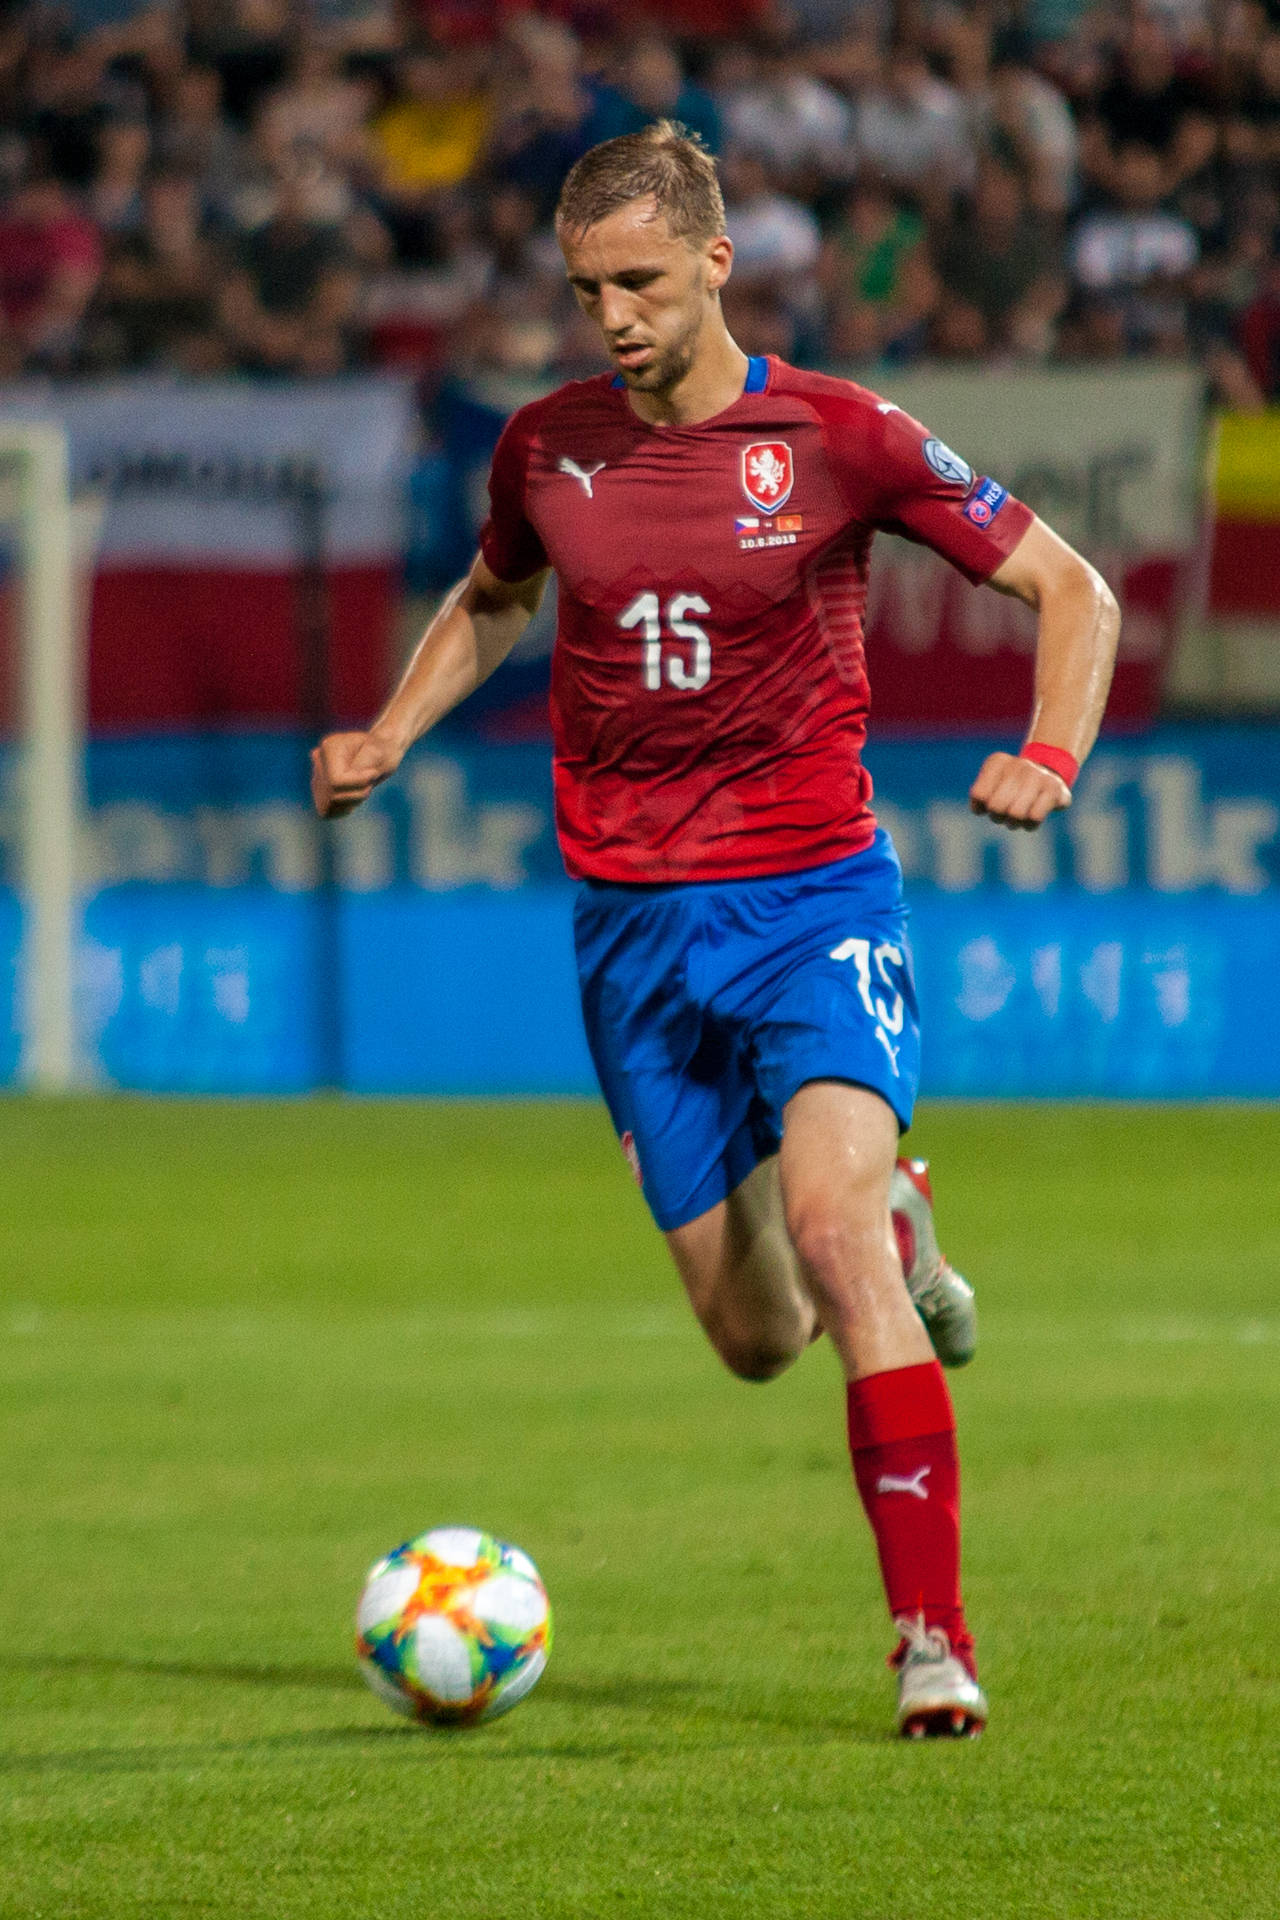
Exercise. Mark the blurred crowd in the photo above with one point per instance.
(300, 188)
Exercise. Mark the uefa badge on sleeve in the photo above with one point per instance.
(985, 502)
(768, 474)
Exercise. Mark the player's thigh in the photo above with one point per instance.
(680, 1098)
(740, 1273)
(835, 1003)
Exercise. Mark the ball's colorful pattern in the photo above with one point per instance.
(453, 1627)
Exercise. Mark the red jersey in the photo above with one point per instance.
(709, 692)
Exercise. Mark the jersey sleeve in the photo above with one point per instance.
(510, 544)
(927, 493)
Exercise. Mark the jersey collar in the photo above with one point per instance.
(756, 381)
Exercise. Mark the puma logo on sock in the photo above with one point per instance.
(905, 1483)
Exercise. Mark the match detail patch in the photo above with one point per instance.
(985, 502)
(780, 531)
(947, 465)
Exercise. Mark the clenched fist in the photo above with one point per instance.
(1017, 792)
(345, 769)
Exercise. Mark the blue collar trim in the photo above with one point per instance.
(757, 375)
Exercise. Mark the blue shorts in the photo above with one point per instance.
(709, 1004)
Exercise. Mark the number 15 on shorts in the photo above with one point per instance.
(871, 966)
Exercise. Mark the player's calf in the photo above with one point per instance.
(753, 1355)
(740, 1273)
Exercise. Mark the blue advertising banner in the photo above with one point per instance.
(1130, 950)
(1183, 810)
(221, 991)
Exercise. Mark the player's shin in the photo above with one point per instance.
(902, 1437)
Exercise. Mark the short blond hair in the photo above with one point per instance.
(664, 161)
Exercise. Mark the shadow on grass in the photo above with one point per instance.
(674, 1710)
(398, 1742)
(239, 1673)
(702, 1701)
(630, 1692)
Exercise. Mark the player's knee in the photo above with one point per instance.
(822, 1240)
(832, 1249)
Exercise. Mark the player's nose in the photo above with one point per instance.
(615, 314)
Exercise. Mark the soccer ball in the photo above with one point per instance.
(453, 1627)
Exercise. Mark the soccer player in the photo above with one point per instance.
(746, 980)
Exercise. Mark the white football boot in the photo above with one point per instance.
(942, 1297)
(937, 1695)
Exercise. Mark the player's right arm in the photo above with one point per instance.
(474, 630)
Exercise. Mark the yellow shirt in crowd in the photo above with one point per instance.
(432, 143)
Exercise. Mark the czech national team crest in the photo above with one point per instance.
(768, 474)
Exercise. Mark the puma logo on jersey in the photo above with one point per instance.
(584, 475)
(905, 1483)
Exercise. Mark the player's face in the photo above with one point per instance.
(649, 293)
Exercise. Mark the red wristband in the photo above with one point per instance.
(1056, 759)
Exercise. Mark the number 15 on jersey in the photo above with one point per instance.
(646, 613)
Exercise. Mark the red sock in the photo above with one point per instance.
(902, 1435)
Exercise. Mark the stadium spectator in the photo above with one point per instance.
(425, 153)
(50, 262)
(1148, 102)
(156, 305)
(911, 128)
(762, 322)
(1239, 244)
(1093, 329)
(648, 83)
(703, 18)
(525, 274)
(1259, 105)
(1020, 119)
(876, 277)
(248, 44)
(1138, 253)
(318, 112)
(1001, 264)
(775, 237)
(773, 105)
(291, 291)
(542, 109)
(410, 312)
(433, 132)
(64, 111)
(194, 137)
(356, 27)
(822, 24)
(115, 194)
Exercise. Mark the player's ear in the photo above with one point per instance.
(719, 257)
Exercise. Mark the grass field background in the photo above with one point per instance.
(246, 1348)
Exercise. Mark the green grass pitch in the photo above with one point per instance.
(246, 1348)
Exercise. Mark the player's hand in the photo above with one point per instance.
(1016, 792)
(345, 769)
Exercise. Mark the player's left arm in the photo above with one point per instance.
(1075, 654)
